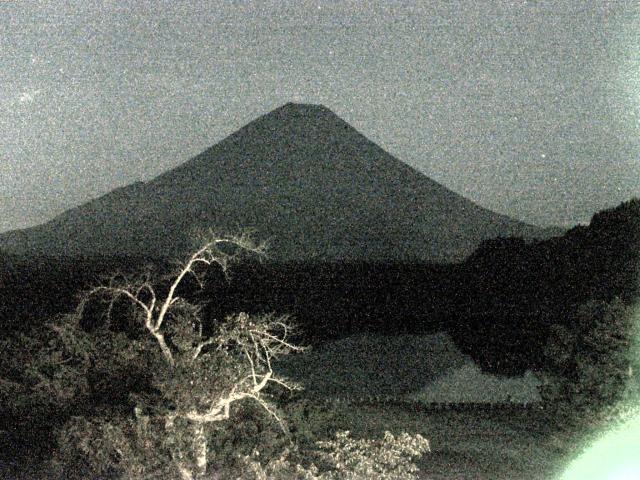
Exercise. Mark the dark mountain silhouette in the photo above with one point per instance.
(299, 176)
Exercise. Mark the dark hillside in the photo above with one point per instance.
(515, 291)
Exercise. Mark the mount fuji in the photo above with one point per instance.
(299, 177)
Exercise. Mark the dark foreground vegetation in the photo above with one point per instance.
(499, 304)
(561, 307)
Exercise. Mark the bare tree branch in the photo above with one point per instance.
(142, 293)
(245, 347)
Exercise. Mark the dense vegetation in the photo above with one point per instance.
(517, 291)
(142, 388)
(560, 306)
(498, 304)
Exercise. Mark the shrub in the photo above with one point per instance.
(588, 363)
(345, 458)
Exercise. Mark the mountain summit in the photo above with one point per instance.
(299, 176)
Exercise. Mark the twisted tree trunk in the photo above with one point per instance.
(200, 450)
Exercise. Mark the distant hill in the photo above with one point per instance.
(299, 176)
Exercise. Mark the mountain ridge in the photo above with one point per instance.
(299, 175)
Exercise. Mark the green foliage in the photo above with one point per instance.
(344, 458)
(114, 446)
(588, 363)
(16, 382)
(310, 420)
(145, 445)
(44, 370)
(389, 458)
(252, 429)
(117, 445)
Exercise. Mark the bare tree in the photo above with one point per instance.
(184, 379)
(199, 377)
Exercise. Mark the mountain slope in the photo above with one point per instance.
(299, 176)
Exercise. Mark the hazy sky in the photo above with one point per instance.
(530, 108)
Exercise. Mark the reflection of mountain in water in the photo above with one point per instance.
(425, 368)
